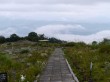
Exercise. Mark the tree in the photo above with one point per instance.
(2, 39)
(105, 41)
(14, 37)
(41, 37)
(32, 36)
(54, 40)
(94, 43)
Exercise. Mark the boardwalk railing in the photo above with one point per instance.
(75, 78)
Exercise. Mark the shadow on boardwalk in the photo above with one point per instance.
(57, 69)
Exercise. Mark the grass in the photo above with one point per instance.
(28, 61)
(80, 57)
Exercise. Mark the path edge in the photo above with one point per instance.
(75, 78)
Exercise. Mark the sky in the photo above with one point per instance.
(69, 20)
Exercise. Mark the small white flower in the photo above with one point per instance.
(22, 78)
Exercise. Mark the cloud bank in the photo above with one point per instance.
(59, 29)
(56, 12)
(7, 32)
(54, 1)
(70, 13)
(65, 32)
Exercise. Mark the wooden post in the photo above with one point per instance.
(91, 66)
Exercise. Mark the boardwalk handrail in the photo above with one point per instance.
(75, 78)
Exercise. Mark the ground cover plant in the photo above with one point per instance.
(23, 58)
(81, 55)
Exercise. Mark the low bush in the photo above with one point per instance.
(104, 49)
(24, 51)
(80, 58)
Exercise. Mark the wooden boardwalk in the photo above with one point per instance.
(57, 69)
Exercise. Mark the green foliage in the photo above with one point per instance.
(54, 40)
(5, 62)
(24, 51)
(104, 49)
(2, 39)
(42, 37)
(94, 43)
(14, 37)
(29, 63)
(32, 36)
(80, 57)
(71, 44)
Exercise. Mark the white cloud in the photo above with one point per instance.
(99, 36)
(92, 11)
(57, 12)
(64, 32)
(7, 32)
(50, 30)
(54, 1)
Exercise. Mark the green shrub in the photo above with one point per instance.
(24, 51)
(104, 49)
(80, 58)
